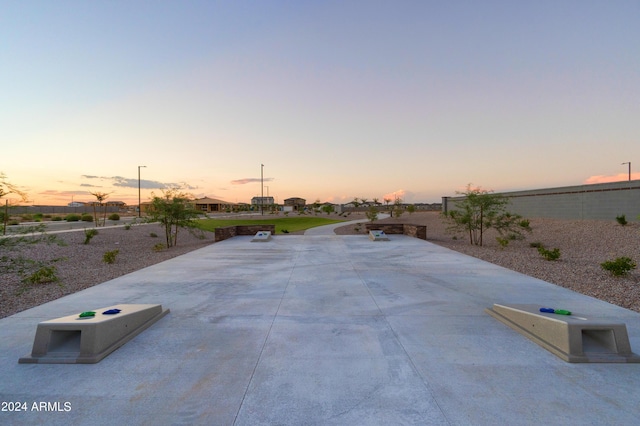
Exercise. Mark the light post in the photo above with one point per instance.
(139, 207)
(629, 163)
(262, 189)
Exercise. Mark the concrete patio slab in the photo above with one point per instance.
(321, 330)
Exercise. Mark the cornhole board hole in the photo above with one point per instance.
(378, 235)
(573, 338)
(261, 237)
(76, 340)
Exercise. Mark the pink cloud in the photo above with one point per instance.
(613, 178)
(400, 193)
(249, 180)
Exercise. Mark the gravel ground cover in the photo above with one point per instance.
(82, 265)
(583, 244)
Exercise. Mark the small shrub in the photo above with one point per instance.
(524, 223)
(56, 219)
(619, 267)
(159, 247)
(372, 214)
(502, 241)
(86, 218)
(153, 235)
(47, 216)
(549, 254)
(72, 217)
(46, 274)
(536, 244)
(110, 256)
(285, 231)
(127, 226)
(89, 234)
(13, 222)
(114, 216)
(622, 219)
(38, 216)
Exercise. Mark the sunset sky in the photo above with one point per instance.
(338, 99)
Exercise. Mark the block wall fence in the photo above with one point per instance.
(597, 201)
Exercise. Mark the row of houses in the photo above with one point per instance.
(120, 204)
(213, 205)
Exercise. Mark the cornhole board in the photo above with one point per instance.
(76, 340)
(378, 235)
(261, 237)
(573, 338)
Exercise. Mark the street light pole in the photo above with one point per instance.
(629, 163)
(262, 189)
(139, 207)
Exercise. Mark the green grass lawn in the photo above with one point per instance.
(291, 224)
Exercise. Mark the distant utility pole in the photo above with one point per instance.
(629, 163)
(262, 189)
(139, 207)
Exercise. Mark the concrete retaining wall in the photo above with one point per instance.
(598, 201)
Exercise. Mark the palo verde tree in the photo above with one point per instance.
(481, 210)
(173, 210)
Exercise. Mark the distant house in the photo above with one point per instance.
(209, 205)
(119, 204)
(265, 201)
(296, 202)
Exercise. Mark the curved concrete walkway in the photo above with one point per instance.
(330, 229)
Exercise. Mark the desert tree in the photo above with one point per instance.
(101, 197)
(328, 208)
(173, 210)
(372, 214)
(12, 258)
(411, 208)
(480, 210)
(7, 188)
(397, 207)
(387, 201)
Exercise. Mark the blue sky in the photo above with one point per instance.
(338, 99)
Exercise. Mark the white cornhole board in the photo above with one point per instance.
(378, 235)
(574, 338)
(261, 237)
(76, 340)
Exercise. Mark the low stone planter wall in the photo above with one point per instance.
(416, 231)
(231, 231)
